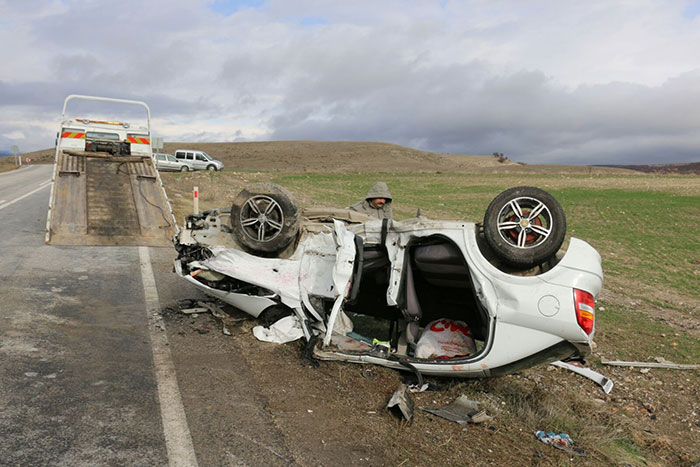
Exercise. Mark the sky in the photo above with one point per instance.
(559, 81)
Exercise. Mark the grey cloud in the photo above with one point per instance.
(40, 97)
(525, 115)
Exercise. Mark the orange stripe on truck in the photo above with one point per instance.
(138, 140)
(73, 134)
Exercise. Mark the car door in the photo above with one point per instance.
(160, 161)
(172, 163)
(163, 162)
(200, 162)
(190, 160)
(181, 156)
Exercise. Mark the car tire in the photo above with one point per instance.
(264, 218)
(517, 236)
(184, 168)
(211, 168)
(274, 313)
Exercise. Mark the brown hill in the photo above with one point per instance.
(43, 156)
(345, 156)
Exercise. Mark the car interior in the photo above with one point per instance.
(436, 285)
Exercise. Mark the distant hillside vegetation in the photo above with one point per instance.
(689, 168)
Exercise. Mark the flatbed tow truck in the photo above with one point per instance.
(106, 189)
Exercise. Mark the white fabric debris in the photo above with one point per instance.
(285, 330)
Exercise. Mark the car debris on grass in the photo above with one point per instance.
(603, 381)
(401, 403)
(560, 441)
(659, 363)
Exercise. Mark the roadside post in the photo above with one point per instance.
(15, 152)
(195, 198)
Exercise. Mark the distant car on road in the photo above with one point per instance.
(198, 160)
(169, 162)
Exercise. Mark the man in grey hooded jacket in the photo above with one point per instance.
(377, 203)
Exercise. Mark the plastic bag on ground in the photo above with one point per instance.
(445, 338)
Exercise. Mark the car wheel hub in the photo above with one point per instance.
(262, 218)
(524, 222)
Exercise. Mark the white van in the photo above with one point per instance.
(198, 160)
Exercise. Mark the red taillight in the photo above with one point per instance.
(585, 310)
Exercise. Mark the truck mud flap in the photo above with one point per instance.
(100, 199)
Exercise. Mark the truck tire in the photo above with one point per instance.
(525, 226)
(264, 218)
(211, 168)
(184, 168)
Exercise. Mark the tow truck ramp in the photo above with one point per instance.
(106, 188)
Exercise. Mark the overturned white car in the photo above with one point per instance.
(504, 284)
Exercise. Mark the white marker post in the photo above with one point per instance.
(15, 152)
(195, 194)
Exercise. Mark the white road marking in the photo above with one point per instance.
(178, 440)
(9, 203)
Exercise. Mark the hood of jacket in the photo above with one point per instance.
(379, 190)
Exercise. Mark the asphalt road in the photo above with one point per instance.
(88, 373)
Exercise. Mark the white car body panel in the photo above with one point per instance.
(254, 305)
(281, 276)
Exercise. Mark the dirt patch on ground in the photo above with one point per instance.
(335, 413)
